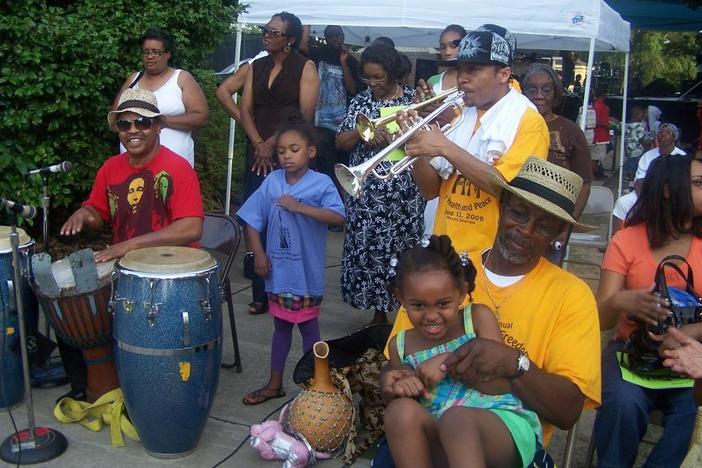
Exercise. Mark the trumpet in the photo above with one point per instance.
(351, 179)
(366, 127)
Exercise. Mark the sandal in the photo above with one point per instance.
(262, 395)
(258, 308)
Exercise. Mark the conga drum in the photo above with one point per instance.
(74, 293)
(168, 344)
(12, 384)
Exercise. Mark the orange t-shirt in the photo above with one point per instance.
(629, 254)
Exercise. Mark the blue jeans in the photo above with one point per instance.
(623, 417)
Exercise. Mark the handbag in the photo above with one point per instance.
(686, 307)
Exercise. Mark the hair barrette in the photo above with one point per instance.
(424, 241)
(393, 264)
(465, 258)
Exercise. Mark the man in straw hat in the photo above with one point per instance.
(548, 317)
(499, 130)
(149, 194)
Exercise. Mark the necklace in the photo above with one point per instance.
(511, 290)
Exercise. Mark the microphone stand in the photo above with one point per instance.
(45, 200)
(34, 444)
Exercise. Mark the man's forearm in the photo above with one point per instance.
(426, 178)
(553, 397)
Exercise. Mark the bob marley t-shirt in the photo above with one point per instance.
(138, 201)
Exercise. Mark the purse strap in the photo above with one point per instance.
(136, 80)
(669, 261)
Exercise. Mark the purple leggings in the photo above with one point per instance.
(282, 339)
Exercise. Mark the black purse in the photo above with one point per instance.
(686, 306)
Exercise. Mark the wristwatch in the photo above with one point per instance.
(523, 364)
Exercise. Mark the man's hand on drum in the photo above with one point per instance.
(112, 252)
(262, 264)
(81, 218)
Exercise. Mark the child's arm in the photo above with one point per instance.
(262, 264)
(430, 370)
(397, 379)
(486, 326)
(323, 215)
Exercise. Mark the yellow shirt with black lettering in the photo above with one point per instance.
(468, 214)
(551, 316)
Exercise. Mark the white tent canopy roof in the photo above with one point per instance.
(538, 24)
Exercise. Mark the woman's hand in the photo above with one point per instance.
(642, 305)
(263, 162)
(686, 357)
(381, 138)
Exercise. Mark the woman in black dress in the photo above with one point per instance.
(388, 216)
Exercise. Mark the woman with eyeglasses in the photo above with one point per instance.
(387, 217)
(666, 220)
(280, 87)
(180, 98)
(568, 147)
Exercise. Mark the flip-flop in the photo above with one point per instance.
(258, 308)
(262, 395)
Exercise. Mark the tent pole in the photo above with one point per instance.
(232, 129)
(588, 77)
(622, 142)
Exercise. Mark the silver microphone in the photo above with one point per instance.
(64, 166)
(25, 211)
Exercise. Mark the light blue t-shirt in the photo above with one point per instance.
(295, 243)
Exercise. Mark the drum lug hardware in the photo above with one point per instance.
(222, 294)
(128, 305)
(11, 293)
(206, 308)
(151, 314)
(186, 329)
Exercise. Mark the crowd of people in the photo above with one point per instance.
(493, 343)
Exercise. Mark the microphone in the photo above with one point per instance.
(25, 211)
(64, 166)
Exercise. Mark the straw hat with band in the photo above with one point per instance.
(140, 101)
(550, 187)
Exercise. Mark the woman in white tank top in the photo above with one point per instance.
(178, 95)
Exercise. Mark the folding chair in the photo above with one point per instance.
(221, 236)
(600, 201)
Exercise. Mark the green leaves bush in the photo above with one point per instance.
(61, 64)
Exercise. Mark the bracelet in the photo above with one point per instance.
(258, 142)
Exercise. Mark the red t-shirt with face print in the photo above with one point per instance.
(138, 201)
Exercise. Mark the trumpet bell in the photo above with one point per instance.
(365, 127)
(350, 179)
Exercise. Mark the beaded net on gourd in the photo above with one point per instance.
(324, 419)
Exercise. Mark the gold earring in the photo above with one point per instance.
(287, 49)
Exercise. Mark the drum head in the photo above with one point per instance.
(167, 260)
(5, 245)
(63, 274)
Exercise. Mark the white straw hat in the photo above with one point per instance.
(139, 101)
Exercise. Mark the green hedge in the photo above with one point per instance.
(61, 63)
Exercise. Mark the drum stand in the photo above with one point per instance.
(45, 201)
(34, 444)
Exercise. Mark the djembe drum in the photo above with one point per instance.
(74, 293)
(322, 414)
(12, 385)
(168, 338)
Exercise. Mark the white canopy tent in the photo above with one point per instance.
(538, 24)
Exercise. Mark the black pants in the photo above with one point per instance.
(73, 364)
(328, 155)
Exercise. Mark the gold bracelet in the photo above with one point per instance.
(257, 142)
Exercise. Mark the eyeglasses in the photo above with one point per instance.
(268, 32)
(154, 52)
(141, 123)
(543, 228)
(374, 80)
(533, 91)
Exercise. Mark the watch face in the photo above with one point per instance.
(523, 364)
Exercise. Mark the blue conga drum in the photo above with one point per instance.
(11, 376)
(168, 344)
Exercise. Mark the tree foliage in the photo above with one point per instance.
(61, 64)
(666, 55)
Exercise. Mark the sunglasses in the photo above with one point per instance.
(141, 123)
(155, 53)
(268, 32)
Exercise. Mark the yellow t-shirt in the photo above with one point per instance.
(551, 316)
(467, 214)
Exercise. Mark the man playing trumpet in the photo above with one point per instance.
(499, 130)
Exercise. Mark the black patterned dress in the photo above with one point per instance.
(386, 220)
